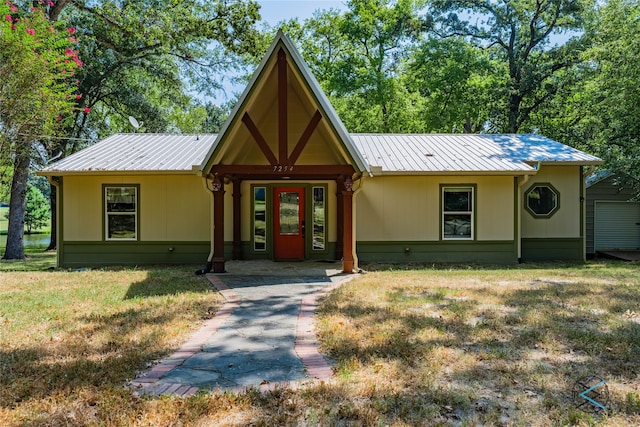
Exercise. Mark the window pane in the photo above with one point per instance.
(121, 227)
(318, 219)
(289, 213)
(121, 213)
(457, 226)
(542, 200)
(259, 219)
(457, 200)
(121, 199)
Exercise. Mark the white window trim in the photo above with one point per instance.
(470, 213)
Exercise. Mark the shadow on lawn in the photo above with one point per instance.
(530, 346)
(101, 351)
(167, 281)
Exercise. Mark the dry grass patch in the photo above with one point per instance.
(426, 346)
(491, 346)
(71, 340)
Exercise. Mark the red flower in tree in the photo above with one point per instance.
(86, 109)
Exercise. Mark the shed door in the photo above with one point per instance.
(288, 239)
(617, 225)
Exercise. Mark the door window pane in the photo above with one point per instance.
(259, 219)
(318, 219)
(289, 213)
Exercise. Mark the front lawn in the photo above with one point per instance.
(70, 340)
(487, 346)
(427, 346)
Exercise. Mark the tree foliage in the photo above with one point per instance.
(37, 211)
(519, 33)
(37, 83)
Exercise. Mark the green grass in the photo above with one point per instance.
(450, 345)
(4, 222)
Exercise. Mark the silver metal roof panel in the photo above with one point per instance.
(463, 153)
(137, 152)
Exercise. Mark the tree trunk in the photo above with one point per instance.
(54, 219)
(17, 207)
(514, 113)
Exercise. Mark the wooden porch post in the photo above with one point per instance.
(237, 220)
(218, 225)
(340, 217)
(347, 238)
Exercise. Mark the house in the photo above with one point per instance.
(284, 180)
(613, 214)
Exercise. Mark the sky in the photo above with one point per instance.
(274, 11)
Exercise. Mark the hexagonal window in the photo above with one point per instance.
(542, 200)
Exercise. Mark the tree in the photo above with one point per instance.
(37, 66)
(457, 82)
(143, 59)
(37, 212)
(358, 57)
(519, 33)
(614, 90)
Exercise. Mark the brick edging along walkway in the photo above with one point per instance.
(306, 346)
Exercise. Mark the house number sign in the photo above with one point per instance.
(282, 168)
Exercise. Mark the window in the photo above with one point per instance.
(457, 213)
(259, 219)
(318, 219)
(121, 213)
(542, 200)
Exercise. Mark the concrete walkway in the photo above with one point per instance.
(262, 337)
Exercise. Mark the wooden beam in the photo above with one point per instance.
(237, 220)
(218, 230)
(284, 171)
(257, 136)
(304, 138)
(283, 130)
(347, 236)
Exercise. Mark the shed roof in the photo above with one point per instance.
(137, 152)
(464, 153)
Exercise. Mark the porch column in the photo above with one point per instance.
(237, 221)
(218, 225)
(347, 237)
(340, 218)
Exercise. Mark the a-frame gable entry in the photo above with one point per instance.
(283, 125)
(283, 128)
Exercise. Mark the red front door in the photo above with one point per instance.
(288, 230)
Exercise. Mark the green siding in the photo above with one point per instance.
(492, 252)
(568, 249)
(97, 254)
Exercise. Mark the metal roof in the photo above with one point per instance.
(137, 152)
(464, 153)
(384, 153)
